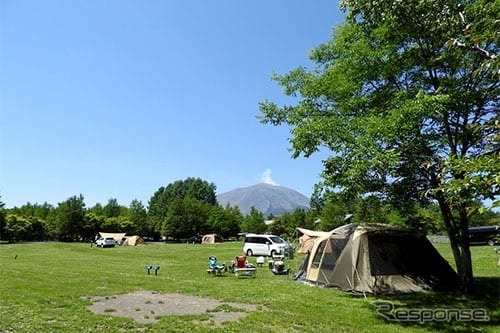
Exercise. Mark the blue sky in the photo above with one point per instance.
(113, 99)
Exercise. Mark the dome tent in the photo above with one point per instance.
(211, 239)
(376, 258)
(133, 240)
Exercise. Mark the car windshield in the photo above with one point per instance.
(277, 240)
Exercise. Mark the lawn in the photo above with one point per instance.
(48, 287)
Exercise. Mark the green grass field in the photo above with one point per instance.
(46, 288)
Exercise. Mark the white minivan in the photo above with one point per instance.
(264, 245)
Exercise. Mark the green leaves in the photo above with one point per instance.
(403, 99)
(254, 222)
(386, 92)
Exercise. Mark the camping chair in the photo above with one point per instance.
(243, 268)
(214, 268)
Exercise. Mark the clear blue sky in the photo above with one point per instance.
(113, 99)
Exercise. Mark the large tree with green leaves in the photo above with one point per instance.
(186, 217)
(285, 225)
(194, 188)
(254, 222)
(112, 208)
(408, 112)
(225, 221)
(70, 219)
(138, 215)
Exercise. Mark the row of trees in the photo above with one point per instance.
(186, 208)
(71, 220)
(178, 210)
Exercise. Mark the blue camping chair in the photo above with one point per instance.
(214, 268)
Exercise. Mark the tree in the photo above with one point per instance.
(193, 188)
(157, 211)
(96, 210)
(299, 218)
(138, 215)
(225, 221)
(310, 221)
(112, 208)
(16, 228)
(280, 224)
(406, 117)
(94, 223)
(37, 219)
(233, 226)
(254, 222)
(332, 215)
(113, 224)
(70, 219)
(2, 219)
(186, 217)
(479, 30)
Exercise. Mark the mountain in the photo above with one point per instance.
(266, 198)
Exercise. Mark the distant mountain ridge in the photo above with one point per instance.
(266, 198)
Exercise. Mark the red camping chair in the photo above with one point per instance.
(241, 261)
(243, 268)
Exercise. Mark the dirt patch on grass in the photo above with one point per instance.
(147, 307)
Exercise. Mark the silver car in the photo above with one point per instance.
(105, 242)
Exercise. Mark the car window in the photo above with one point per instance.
(277, 240)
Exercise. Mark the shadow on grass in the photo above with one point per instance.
(444, 311)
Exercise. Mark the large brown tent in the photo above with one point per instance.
(211, 239)
(133, 241)
(376, 258)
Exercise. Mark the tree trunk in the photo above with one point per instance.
(458, 232)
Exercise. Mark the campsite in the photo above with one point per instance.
(53, 286)
(160, 155)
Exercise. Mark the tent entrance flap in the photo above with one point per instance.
(314, 267)
(331, 254)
